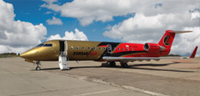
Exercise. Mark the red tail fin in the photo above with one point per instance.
(167, 39)
(194, 52)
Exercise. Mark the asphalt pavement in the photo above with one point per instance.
(89, 78)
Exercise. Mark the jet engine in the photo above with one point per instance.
(153, 47)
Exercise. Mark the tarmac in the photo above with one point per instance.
(174, 77)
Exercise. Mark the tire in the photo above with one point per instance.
(112, 64)
(124, 64)
(37, 68)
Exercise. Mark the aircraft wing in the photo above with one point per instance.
(139, 58)
(109, 58)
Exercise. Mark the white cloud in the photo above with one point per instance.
(48, 12)
(3, 49)
(78, 35)
(142, 28)
(54, 37)
(186, 43)
(54, 21)
(50, 1)
(195, 15)
(10, 49)
(17, 36)
(88, 11)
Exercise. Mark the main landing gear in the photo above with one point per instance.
(124, 64)
(113, 64)
(38, 65)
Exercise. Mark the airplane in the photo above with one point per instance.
(69, 50)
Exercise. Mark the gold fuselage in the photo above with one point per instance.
(80, 51)
(84, 50)
(87, 50)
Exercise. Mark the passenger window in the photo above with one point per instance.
(127, 49)
(99, 48)
(83, 48)
(89, 48)
(118, 48)
(72, 47)
(77, 47)
(40, 45)
(123, 49)
(131, 49)
(48, 45)
(94, 48)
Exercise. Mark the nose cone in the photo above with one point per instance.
(24, 55)
(29, 54)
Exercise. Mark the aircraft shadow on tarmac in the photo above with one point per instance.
(135, 66)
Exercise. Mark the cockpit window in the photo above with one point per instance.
(47, 45)
(40, 45)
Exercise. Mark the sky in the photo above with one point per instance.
(26, 23)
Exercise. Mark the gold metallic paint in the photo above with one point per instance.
(85, 44)
(43, 53)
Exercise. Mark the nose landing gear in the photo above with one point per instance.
(38, 66)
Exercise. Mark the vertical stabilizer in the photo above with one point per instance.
(194, 53)
(167, 39)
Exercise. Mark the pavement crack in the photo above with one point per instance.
(38, 85)
(99, 81)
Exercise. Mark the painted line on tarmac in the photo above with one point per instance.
(117, 85)
(99, 92)
(143, 91)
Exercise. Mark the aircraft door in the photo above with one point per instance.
(66, 48)
(109, 48)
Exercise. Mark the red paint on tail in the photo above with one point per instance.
(167, 39)
(194, 52)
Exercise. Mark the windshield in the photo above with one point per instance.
(47, 45)
(40, 45)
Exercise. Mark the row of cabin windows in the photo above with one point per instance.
(88, 48)
(100, 48)
(126, 49)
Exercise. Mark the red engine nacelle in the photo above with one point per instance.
(153, 47)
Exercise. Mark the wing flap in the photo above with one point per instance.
(139, 58)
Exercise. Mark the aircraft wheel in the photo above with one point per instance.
(124, 64)
(37, 68)
(112, 64)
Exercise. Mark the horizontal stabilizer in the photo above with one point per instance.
(177, 32)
